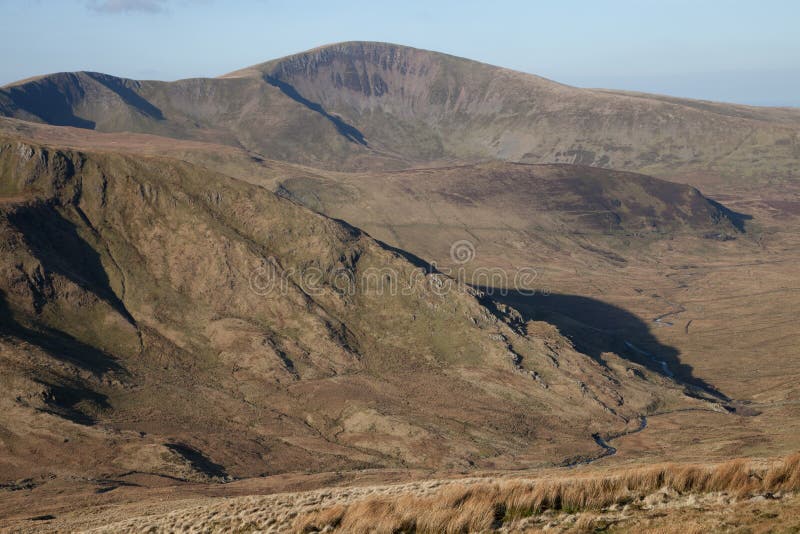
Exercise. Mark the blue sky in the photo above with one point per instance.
(735, 51)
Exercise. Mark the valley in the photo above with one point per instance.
(539, 281)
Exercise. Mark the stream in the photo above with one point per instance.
(608, 449)
(677, 309)
(661, 363)
(603, 443)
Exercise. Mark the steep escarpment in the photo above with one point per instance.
(208, 328)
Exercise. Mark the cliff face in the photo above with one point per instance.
(404, 81)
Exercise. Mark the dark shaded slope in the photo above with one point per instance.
(51, 99)
(347, 130)
(127, 92)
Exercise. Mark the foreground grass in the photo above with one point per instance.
(486, 506)
(740, 496)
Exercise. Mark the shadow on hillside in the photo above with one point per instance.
(57, 344)
(68, 398)
(595, 327)
(76, 402)
(416, 261)
(46, 101)
(59, 247)
(198, 460)
(738, 220)
(347, 130)
(128, 95)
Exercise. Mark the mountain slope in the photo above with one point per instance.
(549, 207)
(373, 105)
(160, 318)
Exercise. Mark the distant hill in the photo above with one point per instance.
(374, 105)
(490, 200)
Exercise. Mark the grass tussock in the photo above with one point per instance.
(482, 506)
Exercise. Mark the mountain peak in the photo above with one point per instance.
(353, 50)
(383, 54)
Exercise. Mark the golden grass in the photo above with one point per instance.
(482, 506)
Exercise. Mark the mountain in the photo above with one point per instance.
(160, 319)
(368, 263)
(374, 105)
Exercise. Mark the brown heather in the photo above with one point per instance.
(399, 107)
(486, 505)
(140, 368)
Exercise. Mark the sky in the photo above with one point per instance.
(727, 50)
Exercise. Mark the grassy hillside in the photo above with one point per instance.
(739, 495)
(376, 105)
(211, 326)
(369, 263)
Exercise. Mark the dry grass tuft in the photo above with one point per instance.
(482, 506)
(735, 476)
(784, 476)
(328, 517)
(687, 478)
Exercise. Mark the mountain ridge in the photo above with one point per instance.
(361, 105)
(368, 263)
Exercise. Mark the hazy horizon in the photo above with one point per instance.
(709, 51)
